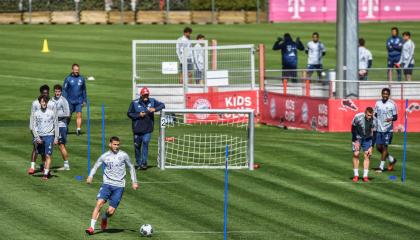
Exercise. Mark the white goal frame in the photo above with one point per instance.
(250, 144)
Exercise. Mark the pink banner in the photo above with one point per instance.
(325, 10)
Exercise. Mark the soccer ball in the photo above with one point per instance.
(146, 230)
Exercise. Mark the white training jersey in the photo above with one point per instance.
(198, 57)
(45, 123)
(115, 163)
(37, 106)
(407, 53)
(183, 42)
(364, 56)
(62, 110)
(315, 51)
(384, 111)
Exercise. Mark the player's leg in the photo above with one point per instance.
(34, 156)
(145, 150)
(391, 160)
(103, 195)
(399, 72)
(390, 66)
(78, 119)
(367, 149)
(356, 151)
(62, 140)
(308, 72)
(137, 149)
(114, 200)
(319, 71)
(48, 150)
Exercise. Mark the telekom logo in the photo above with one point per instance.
(296, 6)
(371, 6)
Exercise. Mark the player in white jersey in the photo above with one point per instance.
(182, 43)
(386, 114)
(365, 60)
(45, 131)
(44, 90)
(407, 56)
(362, 131)
(315, 50)
(63, 114)
(198, 60)
(113, 185)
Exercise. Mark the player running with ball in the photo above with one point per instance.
(113, 184)
(362, 133)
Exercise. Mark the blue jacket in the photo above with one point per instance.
(394, 47)
(144, 124)
(74, 89)
(289, 51)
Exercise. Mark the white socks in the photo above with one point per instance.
(390, 159)
(66, 163)
(33, 165)
(78, 129)
(46, 170)
(356, 172)
(381, 166)
(365, 172)
(92, 223)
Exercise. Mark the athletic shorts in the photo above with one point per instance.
(383, 138)
(46, 147)
(409, 70)
(110, 193)
(77, 107)
(392, 62)
(190, 66)
(312, 67)
(62, 138)
(365, 144)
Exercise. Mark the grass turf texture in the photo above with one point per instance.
(302, 190)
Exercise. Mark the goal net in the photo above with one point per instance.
(197, 138)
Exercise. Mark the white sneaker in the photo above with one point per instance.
(66, 168)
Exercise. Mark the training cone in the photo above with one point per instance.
(45, 47)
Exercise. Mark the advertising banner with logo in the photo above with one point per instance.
(325, 10)
(221, 100)
(294, 111)
(333, 115)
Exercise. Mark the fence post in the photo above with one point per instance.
(213, 9)
(122, 12)
(308, 88)
(261, 72)
(167, 11)
(30, 11)
(285, 87)
(76, 11)
(258, 11)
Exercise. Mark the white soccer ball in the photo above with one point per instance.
(146, 230)
(91, 78)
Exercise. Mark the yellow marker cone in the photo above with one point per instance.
(45, 47)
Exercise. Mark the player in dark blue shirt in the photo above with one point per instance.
(289, 51)
(394, 46)
(141, 112)
(74, 90)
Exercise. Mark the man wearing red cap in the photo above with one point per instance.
(141, 112)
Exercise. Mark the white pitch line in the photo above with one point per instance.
(29, 78)
(209, 232)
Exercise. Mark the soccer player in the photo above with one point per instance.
(112, 188)
(386, 114)
(315, 50)
(45, 91)
(407, 56)
(365, 60)
(184, 42)
(74, 90)
(198, 59)
(45, 131)
(362, 130)
(63, 113)
(394, 46)
(141, 112)
(289, 51)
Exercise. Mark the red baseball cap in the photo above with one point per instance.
(144, 91)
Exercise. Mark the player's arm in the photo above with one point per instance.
(31, 121)
(279, 44)
(410, 54)
(324, 51)
(159, 105)
(179, 50)
(95, 167)
(389, 46)
(299, 44)
(34, 127)
(65, 87)
(56, 131)
(132, 172)
(370, 60)
(307, 48)
(131, 113)
(84, 91)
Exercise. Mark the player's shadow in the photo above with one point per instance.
(39, 175)
(360, 179)
(115, 230)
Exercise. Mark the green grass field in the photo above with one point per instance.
(303, 189)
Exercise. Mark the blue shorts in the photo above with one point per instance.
(77, 107)
(62, 138)
(392, 62)
(365, 144)
(189, 65)
(383, 138)
(46, 147)
(111, 193)
(408, 70)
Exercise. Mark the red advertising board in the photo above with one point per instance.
(325, 10)
(221, 100)
(294, 111)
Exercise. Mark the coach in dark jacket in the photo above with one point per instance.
(141, 112)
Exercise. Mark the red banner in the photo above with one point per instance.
(221, 100)
(295, 111)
